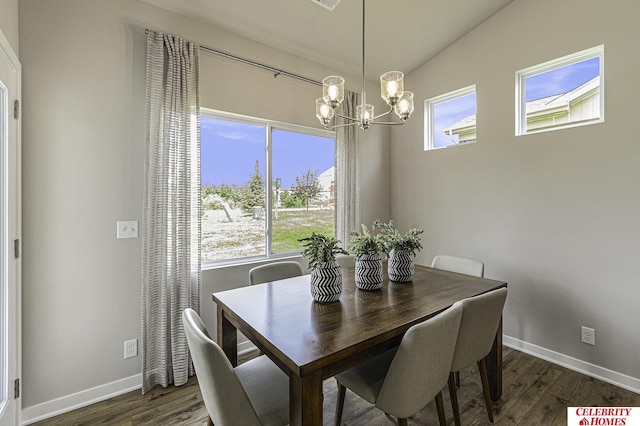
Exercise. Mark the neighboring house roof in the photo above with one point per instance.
(538, 106)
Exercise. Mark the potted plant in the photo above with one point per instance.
(326, 279)
(366, 249)
(400, 249)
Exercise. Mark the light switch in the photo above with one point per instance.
(127, 229)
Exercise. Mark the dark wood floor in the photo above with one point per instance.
(535, 392)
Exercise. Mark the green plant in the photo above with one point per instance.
(253, 194)
(393, 240)
(319, 249)
(365, 243)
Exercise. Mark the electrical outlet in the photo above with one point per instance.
(130, 348)
(126, 229)
(588, 336)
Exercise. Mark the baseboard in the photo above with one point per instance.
(621, 380)
(101, 393)
(246, 346)
(80, 399)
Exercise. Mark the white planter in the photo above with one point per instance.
(326, 283)
(368, 274)
(401, 266)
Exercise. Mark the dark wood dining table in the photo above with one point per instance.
(311, 341)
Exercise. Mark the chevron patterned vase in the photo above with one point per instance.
(326, 282)
(400, 266)
(369, 272)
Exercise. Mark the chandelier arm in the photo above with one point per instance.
(346, 117)
(383, 114)
(337, 126)
(389, 123)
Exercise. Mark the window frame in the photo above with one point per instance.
(269, 125)
(430, 104)
(554, 64)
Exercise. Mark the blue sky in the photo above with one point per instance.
(561, 80)
(229, 150)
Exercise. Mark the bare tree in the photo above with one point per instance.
(307, 187)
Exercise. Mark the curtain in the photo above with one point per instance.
(171, 276)
(347, 210)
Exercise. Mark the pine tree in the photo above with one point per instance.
(253, 195)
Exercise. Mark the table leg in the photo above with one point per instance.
(227, 338)
(494, 365)
(305, 400)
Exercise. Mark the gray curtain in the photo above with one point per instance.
(171, 276)
(347, 210)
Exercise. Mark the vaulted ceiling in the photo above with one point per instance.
(400, 34)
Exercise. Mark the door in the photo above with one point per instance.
(10, 325)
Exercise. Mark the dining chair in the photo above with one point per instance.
(462, 265)
(274, 271)
(254, 393)
(480, 320)
(346, 260)
(403, 380)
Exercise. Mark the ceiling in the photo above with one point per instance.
(400, 34)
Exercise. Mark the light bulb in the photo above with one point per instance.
(333, 92)
(392, 88)
(404, 105)
(324, 110)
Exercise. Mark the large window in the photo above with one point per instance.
(450, 119)
(565, 92)
(264, 186)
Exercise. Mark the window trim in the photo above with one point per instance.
(269, 125)
(522, 75)
(429, 114)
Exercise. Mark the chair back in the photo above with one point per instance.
(274, 271)
(480, 320)
(421, 366)
(461, 265)
(223, 394)
(346, 260)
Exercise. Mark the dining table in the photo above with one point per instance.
(313, 341)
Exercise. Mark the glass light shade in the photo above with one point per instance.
(391, 86)
(333, 90)
(404, 107)
(323, 111)
(368, 113)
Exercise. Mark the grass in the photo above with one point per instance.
(222, 239)
(291, 226)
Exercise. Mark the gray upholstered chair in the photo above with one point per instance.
(274, 271)
(480, 320)
(346, 260)
(254, 393)
(462, 265)
(402, 381)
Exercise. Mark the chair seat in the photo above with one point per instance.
(267, 388)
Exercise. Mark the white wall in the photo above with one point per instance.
(83, 138)
(9, 22)
(554, 214)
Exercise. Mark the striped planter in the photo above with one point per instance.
(400, 266)
(326, 283)
(369, 272)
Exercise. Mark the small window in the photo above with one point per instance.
(450, 119)
(565, 92)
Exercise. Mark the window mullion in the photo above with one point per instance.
(268, 191)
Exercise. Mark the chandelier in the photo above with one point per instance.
(391, 90)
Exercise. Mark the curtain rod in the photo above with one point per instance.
(276, 72)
